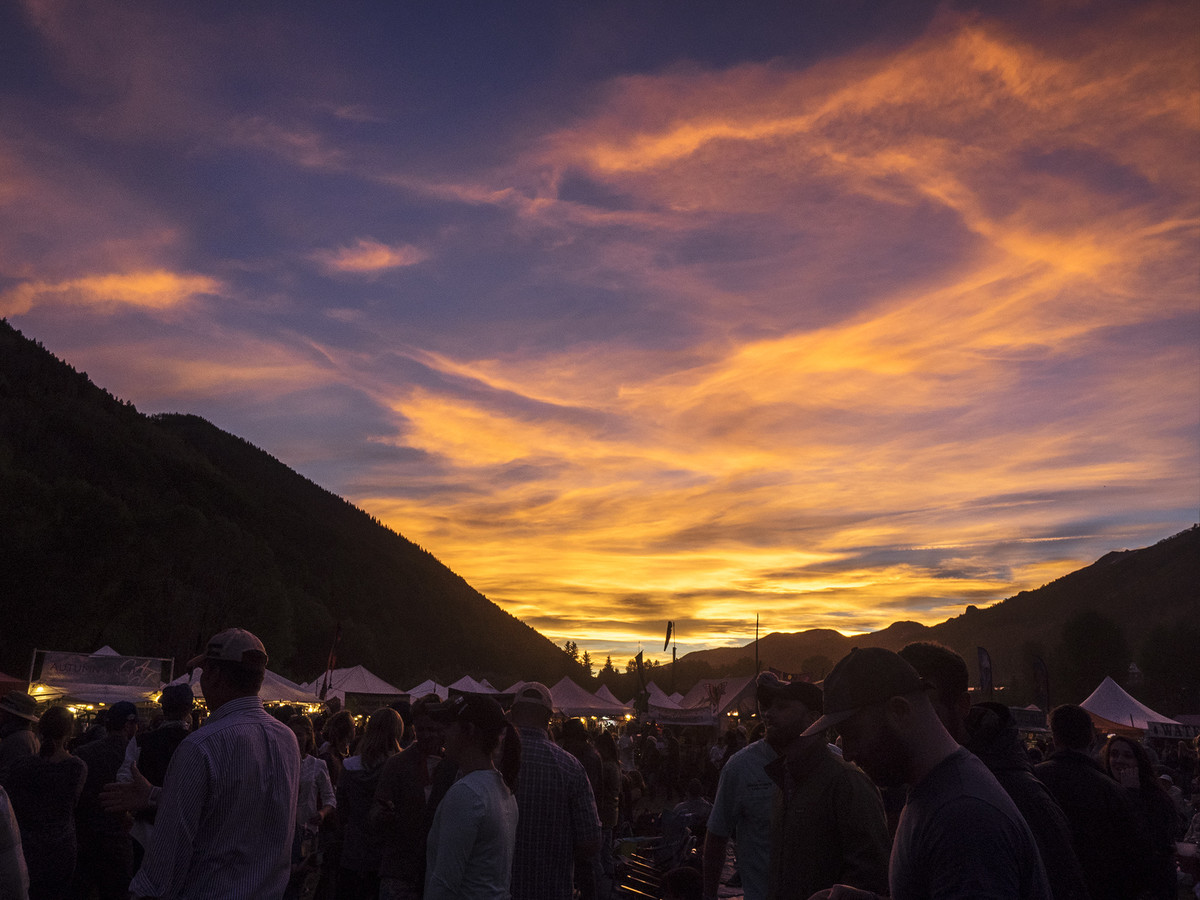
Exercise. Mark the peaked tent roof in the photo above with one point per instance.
(352, 680)
(428, 686)
(572, 700)
(469, 685)
(660, 699)
(731, 694)
(1110, 701)
(275, 688)
(605, 694)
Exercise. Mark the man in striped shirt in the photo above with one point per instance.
(227, 810)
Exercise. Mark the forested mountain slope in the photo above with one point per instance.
(151, 533)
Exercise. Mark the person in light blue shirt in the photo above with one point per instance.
(474, 832)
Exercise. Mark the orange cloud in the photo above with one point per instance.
(368, 256)
(149, 290)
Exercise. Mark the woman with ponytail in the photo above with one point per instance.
(474, 832)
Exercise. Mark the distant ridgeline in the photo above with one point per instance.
(151, 533)
(1131, 606)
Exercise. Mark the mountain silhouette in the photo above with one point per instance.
(151, 533)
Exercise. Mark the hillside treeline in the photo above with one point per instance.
(151, 533)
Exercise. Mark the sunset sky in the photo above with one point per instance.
(838, 313)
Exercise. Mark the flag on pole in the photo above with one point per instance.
(670, 630)
(331, 663)
(1042, 676)
(985, 673)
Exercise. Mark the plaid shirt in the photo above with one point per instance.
(557, 811)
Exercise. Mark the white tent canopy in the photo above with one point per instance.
(275, 688)
(726, 694)
(572, 700)
(659, 699)
(605, 694)
(1110, 701)
(426, 687)
(353, 680)
(469, 685)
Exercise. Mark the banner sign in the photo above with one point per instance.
(1171, 731)
(57, 669)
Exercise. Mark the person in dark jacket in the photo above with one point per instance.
(1104, 830)
(411, 785)
(358, 872)
(105, 861)
(989, 731)
(828, 826)
(991, 734)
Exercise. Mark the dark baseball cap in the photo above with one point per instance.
(862, 678)
(120, 713)
(474, 709)
(771, 688)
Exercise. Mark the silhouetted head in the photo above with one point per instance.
(1071, 727)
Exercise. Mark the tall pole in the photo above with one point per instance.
(756, 645)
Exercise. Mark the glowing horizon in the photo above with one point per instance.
(861, 321)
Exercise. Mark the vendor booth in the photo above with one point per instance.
(98, 678)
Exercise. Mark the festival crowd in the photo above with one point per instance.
(922, 795)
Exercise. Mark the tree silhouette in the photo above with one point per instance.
(1091, 648)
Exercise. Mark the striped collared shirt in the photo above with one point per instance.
(14, 879)
(227, 811)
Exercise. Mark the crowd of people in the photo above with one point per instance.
(922, 795)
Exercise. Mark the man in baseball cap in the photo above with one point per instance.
(829, 826)
(227, 811)
(558, 822)
(959, 834)
(236, 646)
